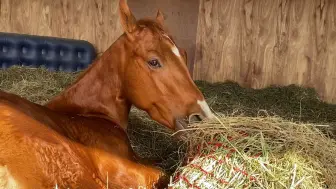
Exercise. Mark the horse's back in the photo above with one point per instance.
(51, 147)
(31, 153)
(18, 115)
(24, 115)
(31, 116)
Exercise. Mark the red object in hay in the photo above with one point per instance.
(196, 160)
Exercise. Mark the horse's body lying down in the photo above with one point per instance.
(41, 148)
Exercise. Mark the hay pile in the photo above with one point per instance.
(290, 102)
(36, 85)
(260, 152)
(153, 142)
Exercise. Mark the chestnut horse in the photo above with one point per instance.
(78, 139)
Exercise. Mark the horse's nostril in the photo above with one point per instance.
(195, 118)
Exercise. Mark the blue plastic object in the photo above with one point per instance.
(56, 54)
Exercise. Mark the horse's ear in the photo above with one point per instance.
(160, 17)
(127, 19)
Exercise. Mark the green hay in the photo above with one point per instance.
(290, 102)
(154, 143)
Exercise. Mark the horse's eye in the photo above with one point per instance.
(154, 63)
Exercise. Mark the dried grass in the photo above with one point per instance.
(270, 151)
(35, 84)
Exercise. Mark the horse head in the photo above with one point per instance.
(156, 76)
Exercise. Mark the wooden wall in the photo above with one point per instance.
(262, 42)
(96, 21)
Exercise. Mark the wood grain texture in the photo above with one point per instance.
(180, 20)
(96, 21)
(258, 43)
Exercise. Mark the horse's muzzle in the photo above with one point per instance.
(182, 124)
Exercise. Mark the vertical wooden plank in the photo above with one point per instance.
(96, 21)
(330, 34)
(258, 39)
(282, 33)
(218, 41)
(107, 27)
(4, 14)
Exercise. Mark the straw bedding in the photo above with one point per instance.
(276, 137)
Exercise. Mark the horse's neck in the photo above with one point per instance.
(98, 92)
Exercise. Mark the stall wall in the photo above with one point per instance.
(258, 43)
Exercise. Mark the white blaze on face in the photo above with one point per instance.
(176, 51)
(174, 48)
(6, 180)
(206, 109)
